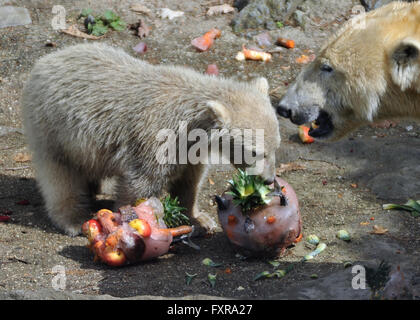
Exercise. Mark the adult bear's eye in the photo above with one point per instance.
(326, 68)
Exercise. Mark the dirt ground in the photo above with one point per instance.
(340, 186)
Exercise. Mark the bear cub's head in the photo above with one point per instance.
(241, 113)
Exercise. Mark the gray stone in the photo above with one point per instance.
(300, 18)
(14, 16)
(260, 14)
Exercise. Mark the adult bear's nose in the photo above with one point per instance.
(284, 111)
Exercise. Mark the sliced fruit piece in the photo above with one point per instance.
(113, 257)
(205, 42)
(91, 229)
(142, 227)
(304, 135)
(109, 220)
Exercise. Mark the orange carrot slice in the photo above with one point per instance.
(304, 135)
(253, 55)
(287, 43)
(179, 231)
(205, 42)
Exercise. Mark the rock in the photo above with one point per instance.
(240, 4)
(260, 14)
(14, 16)
(300, 18)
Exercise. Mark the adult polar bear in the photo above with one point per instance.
(368, 71)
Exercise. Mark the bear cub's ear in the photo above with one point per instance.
(219, 113)
(405, 63)
(262, 85)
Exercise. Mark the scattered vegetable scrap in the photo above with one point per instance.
(411, 206)
(166, 13)
(189, 278)
(247, 54)
(4, 218)
(282, 273)
(287, 43)
(313, 239)
(210, 263)
(304, 135)
(212, 70)
(276, 274)
(131, 235)
(378, 230)
(343, 235)
(266, 275)
(275, 264)
(140, 48)
(224, 8)
(205, 42)
(320, 248)
(303, 59)
(212, 279)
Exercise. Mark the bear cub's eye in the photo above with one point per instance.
(326, 68)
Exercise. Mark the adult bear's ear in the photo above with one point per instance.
(219, 113)
(262, 85)
(405, 63)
